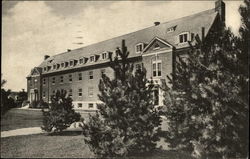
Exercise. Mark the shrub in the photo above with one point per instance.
(60, 114)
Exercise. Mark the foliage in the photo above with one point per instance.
(21, 96)
(60, 114)
(127, 121)
(207, 106)
(6, 102)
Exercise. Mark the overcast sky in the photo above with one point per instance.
(31, 29)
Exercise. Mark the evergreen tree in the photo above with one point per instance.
(60, 114)
(127, 121)
(207, 106)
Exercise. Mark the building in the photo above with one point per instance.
(79, 71)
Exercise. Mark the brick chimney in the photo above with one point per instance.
(220, 8)
(46, 57)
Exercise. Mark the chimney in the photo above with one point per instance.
(46, 57)
(157, 23)
(220, 8)
(68, 50)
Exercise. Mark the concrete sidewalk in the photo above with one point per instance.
(35, 130)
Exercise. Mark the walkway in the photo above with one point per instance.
(34, 130)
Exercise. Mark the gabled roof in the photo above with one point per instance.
(192, 24)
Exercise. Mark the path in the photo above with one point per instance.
(34, 130)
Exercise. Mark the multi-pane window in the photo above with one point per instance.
(62, 64)
(43, 94)
(61, 79)
(81, 61)
(80, 76)
(183, 38)
(79, 105)
(79, 92)
(91, 91)
(91, 105)
(139, 48)
(156, 96)
(156, 67)
(91, 75)
(66, 64)
(71, 63)
(70, 92)
(54, 66)
(92, 58)
(53, 80)
(44, 81)
(104, 55)
(70, 77)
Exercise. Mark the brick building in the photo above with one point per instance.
(79, 71)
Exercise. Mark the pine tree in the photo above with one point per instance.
(60, 114)
(127, 121)
(207, 106)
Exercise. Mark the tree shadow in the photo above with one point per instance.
(66, 133)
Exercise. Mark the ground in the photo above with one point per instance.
(69, 144)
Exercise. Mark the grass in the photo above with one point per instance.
(68, 145)
(23, 118)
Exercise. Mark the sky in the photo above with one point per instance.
(32, 29)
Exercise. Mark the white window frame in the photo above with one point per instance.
(82, 58)
(182, 34)
(142, 47)
(71, 61)
(92, 58)
(62, 64)
(156, 62)
(91, 106)
(54, 66)
(106, 55)
(90, 91)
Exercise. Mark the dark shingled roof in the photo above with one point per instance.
(192, 23)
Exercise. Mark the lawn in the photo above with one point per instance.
(68, 144)
(23, 118)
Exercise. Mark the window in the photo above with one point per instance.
(139, 47)
(92, 58)
(61, 79)
(43, 94)
(54, 66)
(48, 68)
(102, 72)
(91, 75)
(62, 64)
(79, 105)
(66, 64)
(70, 78)
(183, 38)
(58, 66)
(70, 92)
(45, 69)
(156, 96)
(44, 81)
(171, 29)
(53, 92)
(80, 76)
(81, 61)
(79, 92)
(30, 81)
(71, 63)
(104, 56)
(91, 105)
(156, 67)
(91, 91)
(53, 80)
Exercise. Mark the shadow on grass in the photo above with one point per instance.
(66, 133)
(160, 153)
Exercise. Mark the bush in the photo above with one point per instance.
(34, 104)
(60, 114)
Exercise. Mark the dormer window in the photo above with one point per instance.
(54, 66)
(139, 47)
(171, 29)
(71, 63)
(81, 61)
(183, 37)
(92, 58)
(62, 64)
(45, 69)
(66, 64)
(58, 66)
(104, 55)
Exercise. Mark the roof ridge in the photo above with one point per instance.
(202, 12)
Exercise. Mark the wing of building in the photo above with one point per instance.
(79, 71)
